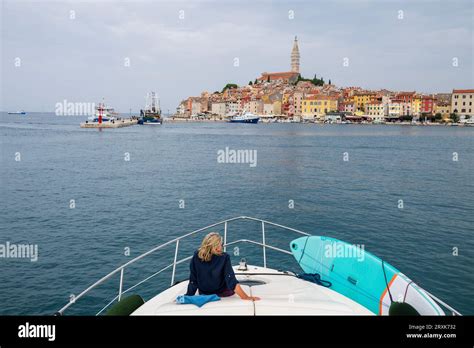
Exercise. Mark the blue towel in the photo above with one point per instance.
(198, 300)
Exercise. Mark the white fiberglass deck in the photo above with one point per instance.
(282, 294)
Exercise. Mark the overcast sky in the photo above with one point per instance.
(82, 59)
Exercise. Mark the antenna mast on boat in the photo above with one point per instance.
(152, 102)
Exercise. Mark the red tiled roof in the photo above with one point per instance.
(276, 75)
(320, 97)
(365, 93)
(463, 90)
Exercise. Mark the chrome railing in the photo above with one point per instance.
(443, 304)
(176, 262)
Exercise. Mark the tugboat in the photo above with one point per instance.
(151, 115)
(245, 117)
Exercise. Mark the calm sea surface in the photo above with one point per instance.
(134, 205)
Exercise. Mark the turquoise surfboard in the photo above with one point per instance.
(360, 275)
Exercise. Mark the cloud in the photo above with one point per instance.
(83, 58)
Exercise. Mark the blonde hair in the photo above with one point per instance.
(209, 246)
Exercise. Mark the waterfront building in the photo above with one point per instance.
(405, 100)
(462, 102)
(298, 103)
(205, 102)
(308, 106)
(189, 103)
(340, 104)
(362, 98)
(318, 105)
(232, 108)
(443, 98)
(394, 109)
(377, 110)
(416, 105)
(405, 107)
(328, 104)
(268, 108)
(349, 107)
(277, 107)
(255, 106)
(427, 104)
(195, 106)
(287, 108)
(218, 108)
(181, 109)
(245, 105)
(406, 97)
(444, 109)
(286, 98)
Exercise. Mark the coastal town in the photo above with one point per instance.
(289, 97)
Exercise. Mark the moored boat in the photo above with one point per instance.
(245, 117)
(103, 114)
(151, 115)
(106, 117)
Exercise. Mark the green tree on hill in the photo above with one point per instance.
(229, 85)
(315, 81)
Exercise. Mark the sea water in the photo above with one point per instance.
(91, 200)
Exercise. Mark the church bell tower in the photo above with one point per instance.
(295, 57)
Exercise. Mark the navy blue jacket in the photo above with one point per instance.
(211, 277)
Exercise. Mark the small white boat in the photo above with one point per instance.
(17, 112)
(282, 292)
(469, 122)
